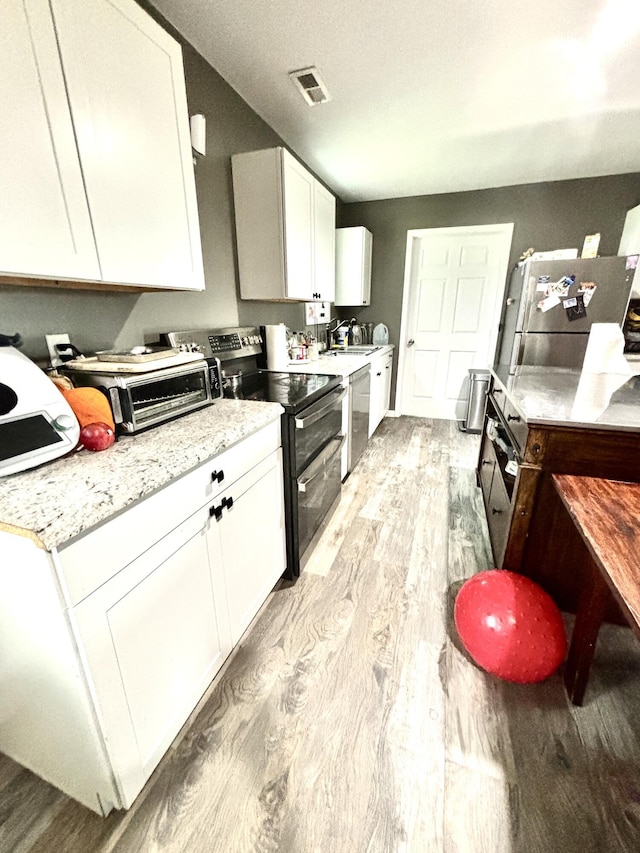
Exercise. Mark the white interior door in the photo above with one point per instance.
(454, 284)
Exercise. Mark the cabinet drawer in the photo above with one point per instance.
(95, 557)
(514, 421)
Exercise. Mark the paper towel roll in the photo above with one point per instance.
(276, 339)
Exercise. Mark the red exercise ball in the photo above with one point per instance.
(510, 626)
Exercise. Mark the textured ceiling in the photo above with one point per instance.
(438, 95)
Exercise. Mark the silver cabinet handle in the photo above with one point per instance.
(410, 342)
(317, 466)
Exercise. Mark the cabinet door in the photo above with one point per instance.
(486, 468)
(353, 266)
(376, 403)
(45, 228)
(386, 383)
(251, 541)
(298, 198)
(324, 245)
(154, 637)
(498, 517)
(126, 88)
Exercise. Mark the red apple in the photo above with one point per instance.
(97, 436)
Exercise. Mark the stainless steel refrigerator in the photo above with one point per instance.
(550, 306)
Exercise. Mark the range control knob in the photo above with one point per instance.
(64, 422)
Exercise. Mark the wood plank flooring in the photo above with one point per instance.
(350, 719)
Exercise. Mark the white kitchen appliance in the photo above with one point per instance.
(36, 422)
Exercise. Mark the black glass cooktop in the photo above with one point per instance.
(294, 391)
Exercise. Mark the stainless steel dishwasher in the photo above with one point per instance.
(359, 395)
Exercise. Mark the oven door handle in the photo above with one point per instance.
(303, 423)
(317, 466)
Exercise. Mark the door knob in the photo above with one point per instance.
(410, 342)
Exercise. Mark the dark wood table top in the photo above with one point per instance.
(607, 515)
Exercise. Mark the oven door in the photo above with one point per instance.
(318, 489)
(316, 426)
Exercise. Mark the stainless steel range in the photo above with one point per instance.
(312, 436)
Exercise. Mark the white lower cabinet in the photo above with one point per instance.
(154, 637)
(131, 622)
(381, 370)
(248, 542)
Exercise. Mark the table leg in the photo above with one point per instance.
(589, 616)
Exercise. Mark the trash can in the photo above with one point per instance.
(479, 379)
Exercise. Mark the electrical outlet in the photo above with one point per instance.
(52, 340)
(317, 312)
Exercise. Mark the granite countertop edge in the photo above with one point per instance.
(60, 500)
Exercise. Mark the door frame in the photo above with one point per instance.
(415, 234)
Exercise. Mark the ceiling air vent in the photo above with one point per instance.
(309, 82)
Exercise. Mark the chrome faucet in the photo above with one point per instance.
(330, 331)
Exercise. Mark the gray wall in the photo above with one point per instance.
(546, 216)
(118, 320)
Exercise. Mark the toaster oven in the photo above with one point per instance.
(142, 400)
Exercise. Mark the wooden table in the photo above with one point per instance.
(606, 514)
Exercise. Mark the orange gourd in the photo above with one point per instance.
(89, 405)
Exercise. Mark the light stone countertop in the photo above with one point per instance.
(339, 364)
(59, 500)
(561, 397)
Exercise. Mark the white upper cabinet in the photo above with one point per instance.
(298, 230)
(45, 227)
(285, 228)
(125, 103)
(353, 266)
(324, 244)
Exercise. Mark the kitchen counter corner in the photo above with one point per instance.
(60, 500)
(574, 398)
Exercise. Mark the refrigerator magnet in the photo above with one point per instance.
(587, 289)
(543, 283)
(575, 307)
(549, 302)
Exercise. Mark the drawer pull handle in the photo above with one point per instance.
(216, 511)
(495, 511)
(514, 418)
(487, 462)
(217, 476)
(228, 502)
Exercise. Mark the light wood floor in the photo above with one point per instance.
(350, 720)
